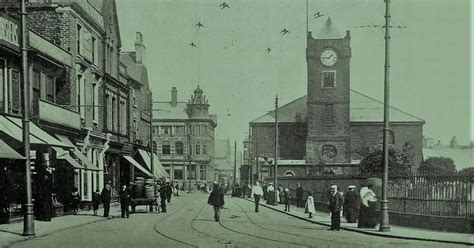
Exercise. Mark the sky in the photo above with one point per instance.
(430, 58)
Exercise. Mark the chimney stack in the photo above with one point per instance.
(139, 49)
(174, 97)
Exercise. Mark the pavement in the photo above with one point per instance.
(12, 233)
(399, 232)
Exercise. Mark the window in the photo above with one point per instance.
(179, 130)
(79, 39)
(85, 185)
(36, 91)
(50, 88)
(178, 174)
(198, 149)
(16, 92)
(95, 101)
(94, 50)
(108, 100)
(114, 113)
(134, 100)
(165, 149)
(329, 79)
(179, 148)
(192, 172)
(166, 129)
(203, 173)
(328, 114)
(204, 149)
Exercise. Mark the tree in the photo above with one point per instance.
(400, 161)
(438, 166)
(467, 172)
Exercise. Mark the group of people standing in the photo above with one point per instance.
(340, 204)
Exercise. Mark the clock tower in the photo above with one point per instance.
(328, 60)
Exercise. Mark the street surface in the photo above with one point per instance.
(189, 223)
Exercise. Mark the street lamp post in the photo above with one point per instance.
(151, 136)
(235, 163)
(28, 220)
(384, 223)
(276, 147)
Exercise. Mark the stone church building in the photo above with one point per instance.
(329, 124)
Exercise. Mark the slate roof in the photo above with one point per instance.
(362, 109)
(463, 158)
(164, 110)
(329, 31)
(137, 72)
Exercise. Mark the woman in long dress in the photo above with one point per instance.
(367, 214)
(309, 208)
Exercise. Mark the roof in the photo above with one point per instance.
(328, 31)
(362, 109)
(164, 110)
(137, 72)
(463, 158)
(221, 148)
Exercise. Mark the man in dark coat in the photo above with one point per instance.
(299, 196)
(105, 196)
(163, 197)
(336, 201)
(244, 190)
(350, 204)
(169, 192)
(216, 199)
(125, 201)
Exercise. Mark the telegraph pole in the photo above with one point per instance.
(384, 223)
(276, 148)
(235, 162)
(152, 166)
(28, 220)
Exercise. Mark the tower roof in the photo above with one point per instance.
(329, 31)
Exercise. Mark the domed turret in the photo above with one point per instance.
(198, 105)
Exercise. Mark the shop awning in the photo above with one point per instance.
(159, 170)
(64, 154)
(12, 127)
(138, 166)
(8, 152)
(86, 162)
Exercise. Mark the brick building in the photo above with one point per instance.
(80, 91)
(329, 124)
(184, 136)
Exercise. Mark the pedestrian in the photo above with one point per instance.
(75, 200)
(95, 201)
(157, 197)
(169, 192)
(244, 190)
(176, 188)
(299, 196)
(270, 194)
(336, 202)
(265, 190)
(367, 214)
(279, 193)
(163, 197)
(309, 208)
(216, 199)
(350, 204)
(286, 199)
(257, 192)
(125, 201)
(106, 196)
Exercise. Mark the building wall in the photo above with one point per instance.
(370, 134)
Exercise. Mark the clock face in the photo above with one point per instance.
(328, 152)
(328, 57)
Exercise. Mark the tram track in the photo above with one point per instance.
(288, 233)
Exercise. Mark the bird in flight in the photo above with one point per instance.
(317, 15)
(192, 44)
(268, 50)
(224, 5)
(199, 25)
(285, 31)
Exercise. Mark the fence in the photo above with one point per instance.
(423, 194)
